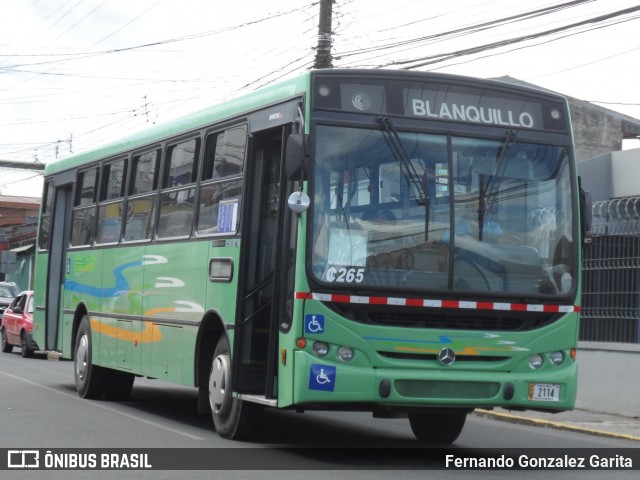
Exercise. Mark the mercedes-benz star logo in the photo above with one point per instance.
(446, 356)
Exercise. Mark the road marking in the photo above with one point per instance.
(104, 407)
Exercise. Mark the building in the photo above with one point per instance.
(597, 131)
(18, 229)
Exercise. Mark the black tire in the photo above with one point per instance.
(119, 385)
(26, 351)
(437, 427)
(6, 346)
(90, 378)
(231, 417)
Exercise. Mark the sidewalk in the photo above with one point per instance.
(583, 421)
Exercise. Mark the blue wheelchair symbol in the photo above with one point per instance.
(314, 324)
(322, 377)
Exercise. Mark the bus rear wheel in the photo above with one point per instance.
(437, 427)
(231, 416)
(90, 379)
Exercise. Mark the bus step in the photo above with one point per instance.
(260, 399)
(53, 355)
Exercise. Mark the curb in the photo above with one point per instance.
(509, 417)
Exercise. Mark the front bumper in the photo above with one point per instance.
(320, 381)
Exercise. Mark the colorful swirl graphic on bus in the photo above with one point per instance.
(121, 286)
(454, 341)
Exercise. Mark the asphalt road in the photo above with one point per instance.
(39, 408)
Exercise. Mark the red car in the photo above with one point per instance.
(16, 325)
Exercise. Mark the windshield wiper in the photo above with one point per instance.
(492, 182)
(406, 167)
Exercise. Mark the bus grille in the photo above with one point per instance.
(406, 317)
(441, 389)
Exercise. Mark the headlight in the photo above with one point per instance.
(345, 354)
(556, 358)
(535, 361)
(321, 349)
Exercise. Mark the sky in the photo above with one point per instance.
(77, 73)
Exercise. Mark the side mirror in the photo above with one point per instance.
(296, 155)
(586, 215)
(16, 309)
(298, 202)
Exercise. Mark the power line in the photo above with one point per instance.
(70, 56)
(79, 21)
(474, 28)
(522, 47)
(608, 57)
(431, 59)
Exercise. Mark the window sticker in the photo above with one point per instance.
(348, 247)
(442, 180)
(228, 215)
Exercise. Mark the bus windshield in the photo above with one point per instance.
(406, 210)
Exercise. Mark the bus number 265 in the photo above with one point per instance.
(345, 275)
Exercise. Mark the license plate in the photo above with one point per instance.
(544, 392)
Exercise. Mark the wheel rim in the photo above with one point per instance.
(219, 393)
(82, 354)
(4, 339)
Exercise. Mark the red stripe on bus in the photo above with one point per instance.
(484, 306)
(452, 304)
(378, 300)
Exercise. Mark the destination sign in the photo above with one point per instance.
(444, 100)
(447, 104)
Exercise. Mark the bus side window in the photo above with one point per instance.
(84, 208)
(143, 181)
(111, 202)
(222, 181)
(178, 189)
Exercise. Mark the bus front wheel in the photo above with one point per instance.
(90, 378)
(230, 414)
(437, 427)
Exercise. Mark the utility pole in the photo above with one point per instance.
(323, 52)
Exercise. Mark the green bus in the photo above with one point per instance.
(403, 243)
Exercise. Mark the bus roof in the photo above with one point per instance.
(262, 97)
(227, 110)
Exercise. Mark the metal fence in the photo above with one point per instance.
(611, 266)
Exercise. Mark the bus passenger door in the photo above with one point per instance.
(58, 247)
(259, 294)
